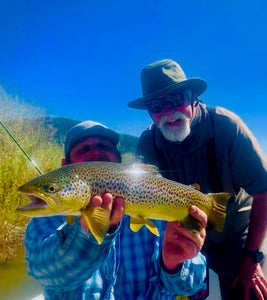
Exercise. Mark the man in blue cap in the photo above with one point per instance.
(193, 143)
(69, 264)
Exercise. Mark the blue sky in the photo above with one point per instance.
(82, 59)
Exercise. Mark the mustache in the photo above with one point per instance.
(173, 117)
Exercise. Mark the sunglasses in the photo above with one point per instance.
(157, 105)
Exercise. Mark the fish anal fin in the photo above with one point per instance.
(151, 227)
(97, 221)
(70, 220)
(137, 222)
(217, 214)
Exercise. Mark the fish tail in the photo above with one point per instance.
(217, 213)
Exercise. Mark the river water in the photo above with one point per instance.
(15, 284)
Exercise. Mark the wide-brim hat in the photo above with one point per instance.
(87, 129)
(164, 77)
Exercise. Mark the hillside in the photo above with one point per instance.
(56, 129)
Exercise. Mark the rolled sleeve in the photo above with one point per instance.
(61, 255)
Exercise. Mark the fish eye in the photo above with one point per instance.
(52, 188)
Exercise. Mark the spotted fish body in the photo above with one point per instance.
(68, 190)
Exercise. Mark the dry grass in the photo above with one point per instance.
(15, 169)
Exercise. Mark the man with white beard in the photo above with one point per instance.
(175, 126)
(194, 143)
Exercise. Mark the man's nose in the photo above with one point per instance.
(168, 109)
(93, 152)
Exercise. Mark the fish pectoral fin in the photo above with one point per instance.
(137, 222)
(70, 220)
(97, 220)
(191, 224)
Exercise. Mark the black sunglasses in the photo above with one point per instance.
(157, 105)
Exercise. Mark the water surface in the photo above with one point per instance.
(15, 284)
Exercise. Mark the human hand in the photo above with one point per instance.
(251, 277)
(181, 244)
(114, 207)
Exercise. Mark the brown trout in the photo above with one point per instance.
(68, 190)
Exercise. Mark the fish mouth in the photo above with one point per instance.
(35, 203)
(40, 204)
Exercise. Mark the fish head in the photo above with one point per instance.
(59, 192)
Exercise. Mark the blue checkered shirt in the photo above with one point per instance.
(69, 264)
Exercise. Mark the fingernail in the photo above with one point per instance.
(193, 208)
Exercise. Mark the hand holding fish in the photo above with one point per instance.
(181, 244)
(115, 208)
(252, 277)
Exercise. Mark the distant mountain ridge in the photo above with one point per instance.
(57, 128)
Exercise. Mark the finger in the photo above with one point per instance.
(117, 211)
(107, 201)
(96, 201)
(182, 238)
(178, 250)
(199, 214)
(198, 240)
(262, 286)
(258, 292)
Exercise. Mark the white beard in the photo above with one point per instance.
(175, 133)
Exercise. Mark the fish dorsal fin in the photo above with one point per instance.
(148, 167)
(141, 166)
(137, 169)
(196, 186)
(97, 220)
(137, 222)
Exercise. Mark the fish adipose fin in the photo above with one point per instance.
(97, 220)
(217, 214)
(195, 186)
(137, 222)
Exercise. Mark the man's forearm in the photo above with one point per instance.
(258, 222)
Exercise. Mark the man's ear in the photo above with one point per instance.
(63, 162)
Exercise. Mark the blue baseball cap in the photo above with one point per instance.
(87, 129)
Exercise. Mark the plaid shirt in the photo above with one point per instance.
(69, 264)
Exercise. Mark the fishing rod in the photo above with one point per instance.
(20, 147)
